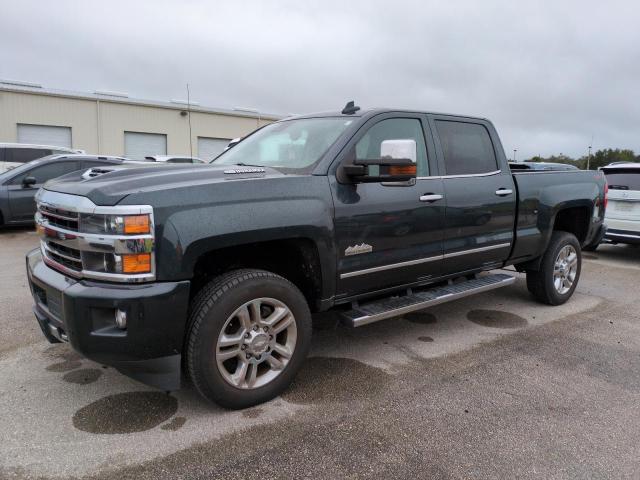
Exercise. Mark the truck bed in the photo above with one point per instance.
(541, 194)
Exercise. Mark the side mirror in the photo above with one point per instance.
(232, 143)
(28, 182)
(397, 163)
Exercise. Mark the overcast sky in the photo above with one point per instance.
(550, 74)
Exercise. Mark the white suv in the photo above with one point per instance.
(15, 154)
(623, 210)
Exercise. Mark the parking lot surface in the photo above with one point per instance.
(492, 386)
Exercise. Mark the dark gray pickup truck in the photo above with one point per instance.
(213, 271)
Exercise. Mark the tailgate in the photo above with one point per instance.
(624, 193)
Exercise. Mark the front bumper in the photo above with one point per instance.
(83, 313)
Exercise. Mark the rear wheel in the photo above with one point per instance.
(559, 272)
(250, 331)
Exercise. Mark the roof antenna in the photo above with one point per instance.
(350, 108)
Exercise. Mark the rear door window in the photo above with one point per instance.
(97, 163)
(180, 160)
(623, 180)
(467, 148)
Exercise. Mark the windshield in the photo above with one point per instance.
(295, 145)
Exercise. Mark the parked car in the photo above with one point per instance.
(623, 210)
(216, 268)
(541, 166)
(19, 185)
(173, 159)
(15, 154)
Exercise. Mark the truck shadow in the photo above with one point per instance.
(627, 254)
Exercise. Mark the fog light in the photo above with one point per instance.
(121, 319)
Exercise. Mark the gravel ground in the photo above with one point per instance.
(493, 386)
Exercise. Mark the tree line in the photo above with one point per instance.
(598, 159)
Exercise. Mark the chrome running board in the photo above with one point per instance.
(417, 300)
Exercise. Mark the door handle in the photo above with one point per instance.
(430, 197)
(501, 192)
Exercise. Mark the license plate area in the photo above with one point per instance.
(625, 206)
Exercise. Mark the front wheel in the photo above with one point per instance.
(559, 272)
(250, 331)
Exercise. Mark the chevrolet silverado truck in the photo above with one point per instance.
(212, 272)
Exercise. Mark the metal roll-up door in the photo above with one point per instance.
(44, 135)
(210, 148)
(139, 145)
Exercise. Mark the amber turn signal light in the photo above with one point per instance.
(402, 170)
(136, 263)
(136, 224)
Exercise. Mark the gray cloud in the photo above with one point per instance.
(549, 74)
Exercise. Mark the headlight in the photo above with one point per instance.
(115, 224)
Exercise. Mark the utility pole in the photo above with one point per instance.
(189, 117)
(589, 158)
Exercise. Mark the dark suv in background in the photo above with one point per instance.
(19, 185)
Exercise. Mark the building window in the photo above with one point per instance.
(210, 148)
(138, 145)
(44, 135)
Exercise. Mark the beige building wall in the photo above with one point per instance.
(98, 124)
(78, 114)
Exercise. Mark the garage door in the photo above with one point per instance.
(139, 145)
(44, 135)
(209, 148)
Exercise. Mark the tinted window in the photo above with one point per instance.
(179, 160)
(46, 172)
(24, 155)
(624, 180)
(467, 148)
(370, 144)
(97, 163)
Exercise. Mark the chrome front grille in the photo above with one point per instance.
(67, 248)
(59, 217)
(69, 257)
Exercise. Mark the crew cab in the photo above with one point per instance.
(214, 271)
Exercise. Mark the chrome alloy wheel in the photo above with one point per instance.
(256, 343)
(565, 269)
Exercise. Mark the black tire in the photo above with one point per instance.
(541, 282)
(211, 308)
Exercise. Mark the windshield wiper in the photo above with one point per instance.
(242, 164)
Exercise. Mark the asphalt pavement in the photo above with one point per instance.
(492, 386)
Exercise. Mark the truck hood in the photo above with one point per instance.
(108, 185)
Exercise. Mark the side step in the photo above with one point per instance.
(395, 306)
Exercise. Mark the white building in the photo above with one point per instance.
(112, 123)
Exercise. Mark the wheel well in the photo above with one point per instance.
(573, 220)
(297, 260)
